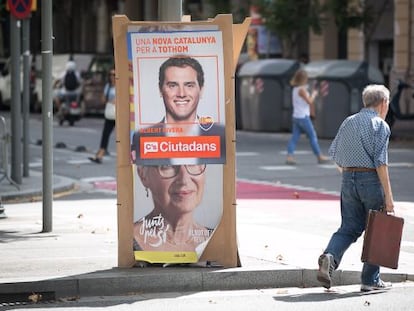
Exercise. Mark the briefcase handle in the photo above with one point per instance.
(382, 210)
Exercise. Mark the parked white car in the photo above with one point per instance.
(5, 87)
(58, 66)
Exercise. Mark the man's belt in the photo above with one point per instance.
(358, 169)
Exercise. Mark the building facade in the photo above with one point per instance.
(85, 27)
(388, 44)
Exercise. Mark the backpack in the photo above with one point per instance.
(71, 82)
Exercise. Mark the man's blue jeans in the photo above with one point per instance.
(303, 125)
(360, 192)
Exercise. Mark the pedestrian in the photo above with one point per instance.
(360, 149)
(303, 101)
(68, 82)
(108, 96)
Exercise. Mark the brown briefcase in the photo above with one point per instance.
(382, 239)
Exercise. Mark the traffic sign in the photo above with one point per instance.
(20, 8)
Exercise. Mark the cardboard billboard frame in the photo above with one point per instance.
(222, 248)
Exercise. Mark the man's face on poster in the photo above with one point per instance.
(181, 93)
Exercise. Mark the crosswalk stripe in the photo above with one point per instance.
(95, 179)
(246, 154)
(401, 164)
(79, 161)
(278, 168)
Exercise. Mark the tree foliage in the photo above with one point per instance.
(220, 6)
(290, 20)
(224, 6)
(349, 14)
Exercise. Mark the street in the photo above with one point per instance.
(207, 220)
(260, 157)
(262, 174)
(400, 297)
(77, 143)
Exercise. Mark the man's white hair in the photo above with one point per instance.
(374, 94)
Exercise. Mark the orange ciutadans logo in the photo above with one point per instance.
(180, 147)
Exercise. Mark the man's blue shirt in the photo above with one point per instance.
(361, 141)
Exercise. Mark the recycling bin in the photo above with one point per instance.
(265, 94)
(340, 84)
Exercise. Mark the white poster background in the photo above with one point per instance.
(150, 50)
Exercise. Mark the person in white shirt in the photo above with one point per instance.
(303, 102)
(61, 86)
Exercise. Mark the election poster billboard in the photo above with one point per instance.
(175, 134)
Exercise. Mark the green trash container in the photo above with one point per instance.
(340, 84)
(265, 94)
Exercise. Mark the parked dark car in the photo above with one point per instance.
(94, 80)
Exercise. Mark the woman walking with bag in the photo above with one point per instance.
(108, 97)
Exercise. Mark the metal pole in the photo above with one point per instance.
(26, 93)
(16, 150)
(170, 10)
(47, 114)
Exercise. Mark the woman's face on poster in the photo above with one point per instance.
(181, 94)
(174, 188)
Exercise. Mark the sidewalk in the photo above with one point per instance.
(279, 244)
(31, 188)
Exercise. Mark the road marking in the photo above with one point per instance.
(278, 168)
(292, 167)
(246, 154)
(329, 166)
(401, 164)
(99, 179)
(398, 150)
(35, 164)
(297, 152)
(106, 184)
(79, 161)
(247, 189)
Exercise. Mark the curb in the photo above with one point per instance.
(175, 279)
(60, 185)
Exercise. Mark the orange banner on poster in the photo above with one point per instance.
(180, 147)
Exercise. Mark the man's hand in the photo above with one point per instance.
(389, 205)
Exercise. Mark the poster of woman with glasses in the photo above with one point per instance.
(179, 208)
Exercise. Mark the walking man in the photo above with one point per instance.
(360, 149)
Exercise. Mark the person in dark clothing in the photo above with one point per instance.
(109, 124)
